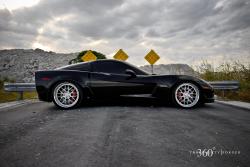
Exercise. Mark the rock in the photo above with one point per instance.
(20, 64)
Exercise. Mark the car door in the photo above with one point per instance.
(109, 78)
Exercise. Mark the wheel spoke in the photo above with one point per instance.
(187, 95)
(66, 95)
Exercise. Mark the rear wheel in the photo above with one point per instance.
(186, 95)
(67, 95)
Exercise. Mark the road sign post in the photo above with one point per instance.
(121, 55)
(152, 57)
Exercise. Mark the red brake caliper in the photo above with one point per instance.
(179, 95)
(74, 94)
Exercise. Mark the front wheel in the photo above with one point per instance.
(186, 95)
(67, 95)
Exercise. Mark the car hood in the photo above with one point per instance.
(174, 78)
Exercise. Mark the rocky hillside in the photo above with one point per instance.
(20, 64)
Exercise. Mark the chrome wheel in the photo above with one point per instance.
(187, 95)
(66, 95)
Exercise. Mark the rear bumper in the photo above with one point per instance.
(43, 94)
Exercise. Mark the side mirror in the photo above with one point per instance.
(131, 73)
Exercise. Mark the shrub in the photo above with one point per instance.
(79, 56)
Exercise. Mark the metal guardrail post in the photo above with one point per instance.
(20, 95)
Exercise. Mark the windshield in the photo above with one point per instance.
(138, 69)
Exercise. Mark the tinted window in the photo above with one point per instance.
(114, 67)
(137, 70)
(79, 67)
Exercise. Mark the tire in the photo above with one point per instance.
(186, 95)
(67, 95)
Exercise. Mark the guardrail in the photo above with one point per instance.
(29, 87)
(19, 88)
(225, 85)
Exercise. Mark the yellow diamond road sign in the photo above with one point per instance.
(121, 55)
(152, 57)
(88, 56)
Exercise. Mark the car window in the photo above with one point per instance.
(78, 66)
(137, 70)
(109, 67)
(114, 67)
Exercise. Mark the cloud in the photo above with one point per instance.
(181, 31)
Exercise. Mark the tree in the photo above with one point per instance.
(79, 56)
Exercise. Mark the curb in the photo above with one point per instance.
(236, 104)
(13, 104)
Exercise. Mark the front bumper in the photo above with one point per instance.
(208, 100)
(208, 96)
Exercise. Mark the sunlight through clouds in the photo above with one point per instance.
(15, 4)
(187, 31)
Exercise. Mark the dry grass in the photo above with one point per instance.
(229, 71)
(13, 96)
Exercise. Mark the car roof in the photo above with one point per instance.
(102, 60)
(96, 61)
(88, 62)
(71, 65)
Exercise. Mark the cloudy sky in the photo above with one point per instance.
(180, 31)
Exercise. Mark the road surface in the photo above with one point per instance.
(119, 135)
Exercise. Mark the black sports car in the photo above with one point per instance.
(68, 86)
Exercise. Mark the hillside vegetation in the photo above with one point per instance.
(229, 71)
(82, 53)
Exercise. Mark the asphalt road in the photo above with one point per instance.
(39, 134)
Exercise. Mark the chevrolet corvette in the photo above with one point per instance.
(70, 85)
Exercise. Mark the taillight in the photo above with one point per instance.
(45, 78)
